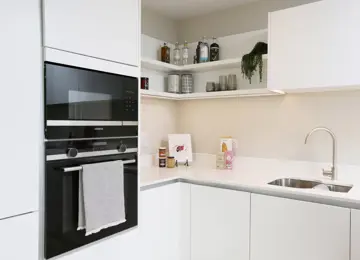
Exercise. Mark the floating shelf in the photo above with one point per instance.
(159, 95)
(200, 67)
(158, 65)
(210, 95)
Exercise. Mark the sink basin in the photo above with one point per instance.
(307, 184)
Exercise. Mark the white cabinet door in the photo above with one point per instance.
(283, 229)
(355, 234)
(19, 237)
(20, 107)
(165, 223)
(121, 246)
(106, 29)
(315, 47)
(220, 224)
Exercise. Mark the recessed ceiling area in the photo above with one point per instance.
(183, 9)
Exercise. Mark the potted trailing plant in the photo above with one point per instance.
(252, 60)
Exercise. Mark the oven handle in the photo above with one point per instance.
(78, 168)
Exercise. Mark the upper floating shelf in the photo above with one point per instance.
(210, 95)
(200, 67)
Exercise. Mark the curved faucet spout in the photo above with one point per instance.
(329, 173)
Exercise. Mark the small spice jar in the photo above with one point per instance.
(162, 162)
(162, 152)
(171, 162)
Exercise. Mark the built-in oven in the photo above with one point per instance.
(64, 158)
(77, 94)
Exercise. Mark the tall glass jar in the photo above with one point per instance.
(185, 53)
(177, 57)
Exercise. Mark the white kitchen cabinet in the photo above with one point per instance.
(165, 223)
(19, 237)
(283, 229)
(220, 224)
(355, 234)
(121, 246)
(20, 107)
(315, 47)
(105, 29)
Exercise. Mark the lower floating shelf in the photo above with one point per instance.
(210, 95)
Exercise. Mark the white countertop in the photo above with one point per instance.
(254, 174)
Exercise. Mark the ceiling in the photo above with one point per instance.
(183, 9)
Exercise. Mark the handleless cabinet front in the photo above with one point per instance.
(20, 107)
(220, 223)
(105, 29)
(19, 237)
(355, 234)
(315, 47)
(283, 229)
(165, 223)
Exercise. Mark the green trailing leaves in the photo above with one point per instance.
(252, 60)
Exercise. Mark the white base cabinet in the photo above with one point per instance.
(283, 229)
(19, 237)
(165, 223)
(355, 234)
(220, 224)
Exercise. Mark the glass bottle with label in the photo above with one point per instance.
(214, 50)
(177, 54)
(185, 53)
(165, 53)
(204, 50)
(198, 53)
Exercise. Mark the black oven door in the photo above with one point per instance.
(81, 94)
(61, 204)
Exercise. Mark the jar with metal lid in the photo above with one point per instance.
(187, 83)
(174, 83)
(171, 162)
(162, 151)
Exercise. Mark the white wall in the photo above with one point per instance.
(244, 18)
(275, 127)
(158, 26)
(158, 119)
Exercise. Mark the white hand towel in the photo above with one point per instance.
(101, 196)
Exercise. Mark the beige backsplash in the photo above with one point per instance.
(158, 118)
(265, 127)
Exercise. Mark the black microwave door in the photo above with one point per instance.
(100, 96)
(61, 86)
(82, 94)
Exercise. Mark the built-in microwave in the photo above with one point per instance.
(75, 94)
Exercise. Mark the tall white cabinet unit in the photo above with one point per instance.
(283, 229)
(315, 47)
(20, 107)
(105, 29)
(220, 223)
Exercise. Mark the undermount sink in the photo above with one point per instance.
(307, 184)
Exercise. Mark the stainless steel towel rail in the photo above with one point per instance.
(78, 168)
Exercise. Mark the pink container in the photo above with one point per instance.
(229, 156)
